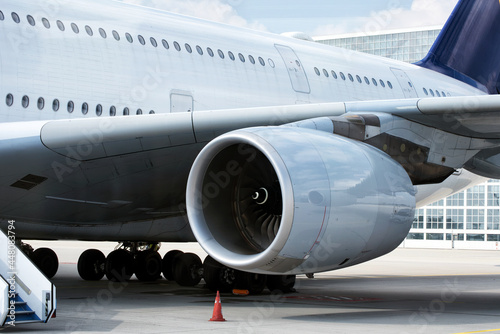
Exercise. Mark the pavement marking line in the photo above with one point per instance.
(485, 331)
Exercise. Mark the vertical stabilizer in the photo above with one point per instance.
(468, 47)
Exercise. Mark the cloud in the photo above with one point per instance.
(421, 14)
(213, 10)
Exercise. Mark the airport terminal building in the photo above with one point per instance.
(467, 220)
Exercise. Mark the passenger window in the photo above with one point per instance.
(262, 62)
(15, 17)
(129, 37)
(75, 28)
(177, 46)
(165, 44)
(55, 105)
(25, 101)
(210, 52)
(242, 57)
(359, 79)
(116, 35)
(374, 82)
(141, 39)
(71, 106)
(1, 16)
(126, 111)
(389, 84)
(98, 110)
(9, 100)
(367, 81)
(350, 77)
(342, 76)
(60, 25)
(151, 112)
(317, 71)
(46, 23)
(139, 111)
(41, 103)
(200, 50)
(325, 72)
(112, 111)
(153, 42)
(102, 32)
(89, 31)
(382, 83)
(188, 48)
(252, 59)
(334, 74)
(231, 55)
(31, 20)
(85, 108)
(221, 54)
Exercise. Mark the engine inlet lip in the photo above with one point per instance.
(195, 212)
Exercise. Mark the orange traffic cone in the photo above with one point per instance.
(217, 315)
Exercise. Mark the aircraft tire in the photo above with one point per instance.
(254, 283)
(91, 265)
(217, 276)
(119, 265)
(186, 269)
(168, 264)
(282, 283)
(148, 266)
(46, 260)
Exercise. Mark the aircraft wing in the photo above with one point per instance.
(450, 130)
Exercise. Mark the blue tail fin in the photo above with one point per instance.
(468, 47)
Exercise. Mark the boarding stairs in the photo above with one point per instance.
(26, 295)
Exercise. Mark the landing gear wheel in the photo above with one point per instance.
(148, 266)
(217, 276)
(46, 260)
(91, 265)
(283, 283)
(119, 265)
(254, 283)
(187, 269)
(168, 264)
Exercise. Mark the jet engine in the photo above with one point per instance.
(286, 200)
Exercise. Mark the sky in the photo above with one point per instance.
(314, 17)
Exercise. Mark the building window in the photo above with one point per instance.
(493, 195)
(454, 219)
(455, 200)
(475, 196)
(435, 219)
(475, 237)
(434, 236)
(493, 219)
(415, 236)
(418, 221)
(475, 219)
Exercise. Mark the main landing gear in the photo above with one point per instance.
(186, 269)
(44, 258)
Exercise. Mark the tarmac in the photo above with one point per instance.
(407, 291)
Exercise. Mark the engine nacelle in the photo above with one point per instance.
(284, 200)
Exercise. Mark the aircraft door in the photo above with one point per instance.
(405, 83)
(295, 69)
(181, 102)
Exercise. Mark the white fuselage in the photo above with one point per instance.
(105, 59)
